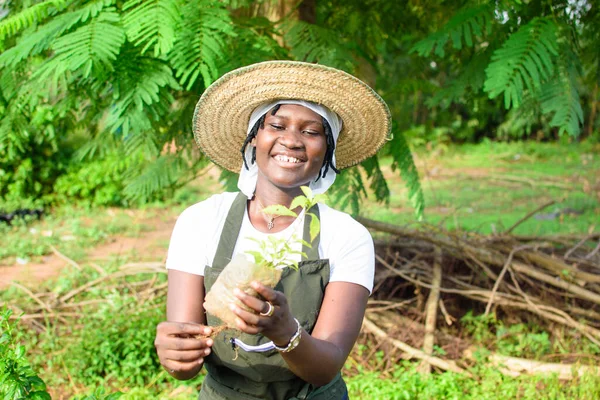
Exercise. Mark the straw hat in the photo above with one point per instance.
(223, 111)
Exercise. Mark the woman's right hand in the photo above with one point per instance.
(179, 351)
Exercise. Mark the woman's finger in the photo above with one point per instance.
(248, 317)
(180, 366)
(247, 328)
(269, 294)
(182, 344)
(182, 329)
(186, 356)
(257, 305)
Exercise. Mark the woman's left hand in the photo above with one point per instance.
(279, 326)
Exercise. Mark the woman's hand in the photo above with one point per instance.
(178, 349)
(279, 327)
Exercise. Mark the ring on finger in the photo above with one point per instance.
(270, 311)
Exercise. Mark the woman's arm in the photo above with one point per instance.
(320, 356)
(178, 349)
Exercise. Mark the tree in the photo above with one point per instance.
(89, 81)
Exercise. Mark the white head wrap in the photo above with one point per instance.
(248, 177)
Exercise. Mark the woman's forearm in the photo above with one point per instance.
(315, 361)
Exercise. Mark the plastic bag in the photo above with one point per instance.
(240, 272)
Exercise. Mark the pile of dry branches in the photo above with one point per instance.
(555, 278)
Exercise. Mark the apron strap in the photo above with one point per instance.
(231, 231)
(312, 253)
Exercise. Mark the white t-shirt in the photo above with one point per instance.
(344, 242)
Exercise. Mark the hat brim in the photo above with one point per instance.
(221, 116)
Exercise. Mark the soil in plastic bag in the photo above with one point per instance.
(240, 272)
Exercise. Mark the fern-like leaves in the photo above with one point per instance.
(312, 43)
(152, 24)
(202, 43)
(560, 98)
(94, 45)
(523, 62)
(403, 161)
(467, 23)
(143, 89)
(472, 78)
(30, 16)
(377, 182)
(348, 190)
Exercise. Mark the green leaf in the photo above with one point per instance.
(152, 24)
(315, 226)
(307, 192)
(403, 161)
(31, 15)
(299, 201)
(523, 62)
(466, 21)
(279, 210)
(258, 256)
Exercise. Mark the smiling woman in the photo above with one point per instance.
(296, 125)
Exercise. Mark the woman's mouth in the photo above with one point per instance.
(287, 159)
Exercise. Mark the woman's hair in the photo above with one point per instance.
(327, 161)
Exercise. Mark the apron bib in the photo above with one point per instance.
(236, 374)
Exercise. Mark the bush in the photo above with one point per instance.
(116, 344)
(95, 183)
(17, 378)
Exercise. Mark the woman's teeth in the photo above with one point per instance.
(287, 159)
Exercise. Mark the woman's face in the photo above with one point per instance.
(291, 147)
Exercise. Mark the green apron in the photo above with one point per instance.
(236, 374)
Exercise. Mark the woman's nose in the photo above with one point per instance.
(291, 138)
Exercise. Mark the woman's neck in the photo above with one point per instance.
(267, 195)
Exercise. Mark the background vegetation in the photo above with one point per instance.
(495, 103)
(96, 97)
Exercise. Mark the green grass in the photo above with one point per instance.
(405, 383)
(71, 230)
(487, 188)
(484, 188)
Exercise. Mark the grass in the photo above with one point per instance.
(487, 188)
(405, 383)
(484, 188)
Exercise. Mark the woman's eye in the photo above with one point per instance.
(312, 133)
(275, 126)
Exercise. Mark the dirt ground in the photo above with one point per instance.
(150, 246)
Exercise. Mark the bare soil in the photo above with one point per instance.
(149, 246)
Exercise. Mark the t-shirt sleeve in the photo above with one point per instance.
(353, 256)
(191, 238)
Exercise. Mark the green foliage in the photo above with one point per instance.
(152, 24)
(523, 62)
(17, 379)
(403, 161)
(122, 350)
(97, 183)
(202, 45)
(468, 22)
(560, 97)
(406, 383)
(313, 43)
(520, 341)
(30, 16)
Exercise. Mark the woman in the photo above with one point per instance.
(297, 124)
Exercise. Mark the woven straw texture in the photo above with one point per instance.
(223, 111)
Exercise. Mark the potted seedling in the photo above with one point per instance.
(272, 256)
